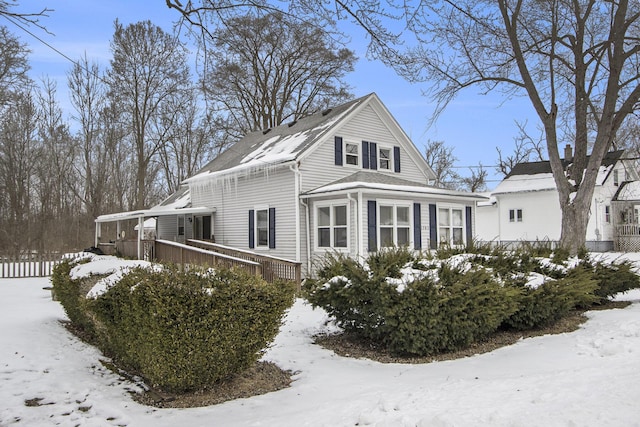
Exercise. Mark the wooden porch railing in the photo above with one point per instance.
(181, 254)
(627, 238)
(273, 268)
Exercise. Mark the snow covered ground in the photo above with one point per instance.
(590, 377)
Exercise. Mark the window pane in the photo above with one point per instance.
(386, 237)
(444, 235)
(262, 218)
(263, 237)
(402, 215)
(385, 156)
(511, 215)
(352, 154)
(262, 227)
(457, 217)
(443, 217)
(352, 149)
(323, 217)
(340, 237)
(324, 237)
(403, 236)
(386, 215)
(519, 215)
(340, 215)
(457, 236)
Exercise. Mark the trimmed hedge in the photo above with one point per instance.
(183, 331)
(452, 302)
(67, 291)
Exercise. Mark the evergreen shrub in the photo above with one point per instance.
(182, 331)
(67, 291)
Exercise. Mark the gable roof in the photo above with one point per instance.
(537, 176)
(286, 143)
(628, 191)
(278, 145)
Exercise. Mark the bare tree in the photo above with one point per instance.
(477, 181)
(442, 160)
(8, 11)
(19, 155)
(149, 68)
(88, 97)
(576, 61)
(264, 70)
(526, 149)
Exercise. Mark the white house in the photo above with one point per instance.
(346, 179)
(525, 205)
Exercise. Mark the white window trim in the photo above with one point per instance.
(344, 154)
(450, 227)
(391, 160)
(256, 239)
(316, 239)
(395, 204)
(516, 218)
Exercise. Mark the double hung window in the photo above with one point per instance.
(451, 226)
(332, 228)
(394, 225)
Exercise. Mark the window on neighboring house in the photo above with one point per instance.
(515, 215)
(332, 226)
(627, 175)
(616, 177)
(351, 154)
(385, 158)
(180, 225)
(451, 226)
(394, 225)
(607, 214)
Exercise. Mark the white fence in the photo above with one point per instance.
(31, 265)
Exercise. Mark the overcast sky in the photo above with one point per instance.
(473, 124)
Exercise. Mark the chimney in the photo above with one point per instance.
(568, 155)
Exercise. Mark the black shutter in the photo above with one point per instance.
(338, 150)
(372, 226)
(468, 223)
(433, 228)
(396, 159)
(251, 229)
(417, 225)
(365, 155)
(272, 228)
(373, 155)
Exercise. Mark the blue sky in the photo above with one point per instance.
(473, 124)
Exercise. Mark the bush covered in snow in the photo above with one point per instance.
(444, 301)
(183, 331)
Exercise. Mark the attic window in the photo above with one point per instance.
(351, 154)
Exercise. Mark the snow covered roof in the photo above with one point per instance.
(178, 203)
(378, 181)
(537, 176)
(278, 145)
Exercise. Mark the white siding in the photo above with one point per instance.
(320, 169)
(234, 199)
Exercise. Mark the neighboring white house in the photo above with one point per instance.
(347, 179)
(525, 205)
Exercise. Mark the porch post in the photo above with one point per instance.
(98, 234)
(140, 233)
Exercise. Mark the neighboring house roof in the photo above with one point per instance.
(628, 191)
(537, 176)
(283, 144)
(378, 181)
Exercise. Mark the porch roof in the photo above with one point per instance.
(155, 211)
(386, 183)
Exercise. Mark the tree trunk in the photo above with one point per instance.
(575, 218)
